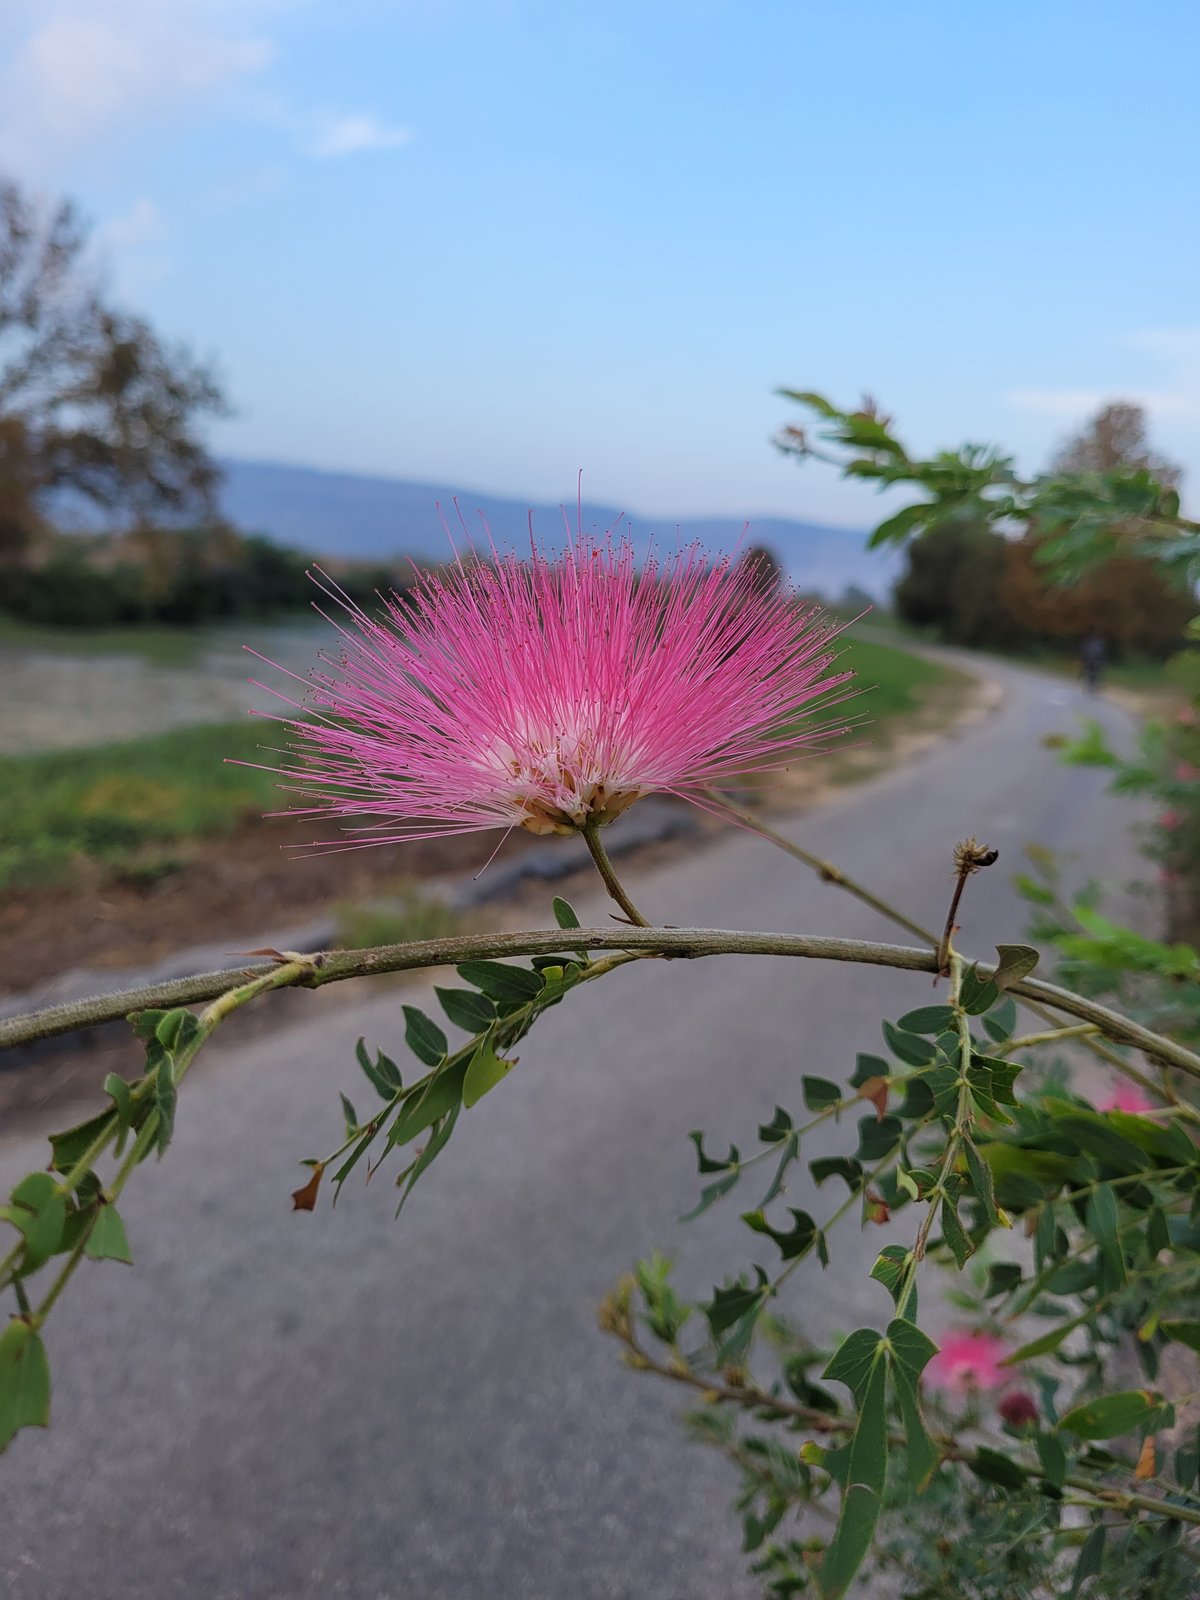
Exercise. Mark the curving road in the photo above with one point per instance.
(273, 1406)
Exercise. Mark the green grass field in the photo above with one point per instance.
(161, 646)
(123, 806)
(895, 682)
(126, 809)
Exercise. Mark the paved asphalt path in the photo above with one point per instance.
(273, 1406)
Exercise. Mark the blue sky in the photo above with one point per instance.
(494, 241)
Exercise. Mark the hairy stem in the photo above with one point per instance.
(336, 966)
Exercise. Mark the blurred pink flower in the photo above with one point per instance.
(1187, 718)
(1169, 879)
(1171, 820)
(1125, 1096)
(969, 1360)
(1186, 772)
(550, 693)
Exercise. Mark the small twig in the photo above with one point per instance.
(969, 857)
(591, 836)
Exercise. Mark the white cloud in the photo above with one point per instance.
(1176, 349)
(138, 227)
(77, 75)
(350, 134)
(81, 71)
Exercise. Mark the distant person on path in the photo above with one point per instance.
(1093, 653)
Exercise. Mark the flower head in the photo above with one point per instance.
(552, 693)
(1124, 1096)
(968, 1360)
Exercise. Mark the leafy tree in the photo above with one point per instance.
(980, 587)
(954, 582)
(1114, 440)
(1136, 608)
(91, 400)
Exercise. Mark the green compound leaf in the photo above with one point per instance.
(889, 1269)
(868, 1067)
(928, 1019)
(440, 1138)
(484, 1072)
(1053, 1459)
(426, 1102)
(382, 1073)
(24, 1381)
(994, 1467)
(1102, 1222)
(68, 1147)
(1017, 961)
(710, 1194)
(954, 1234)
(1003, 1277)
(921, 1453)
(107, 1240)
(977, 994)
(499, 981)
(908, 1047)
(38, 1210)
(1187, 1333)
(845, 1167)
(789, 1151)
(1001, 1020)
(779, 1127)
(177, 1029)
(732, 1302)
(860, 1363)
(1111, 1414)
(423, 1037)
(796, 1242)
(911, 1349)
(118, 1092)
(1091, 1559)
(166, 1097)
(564, 913)
(981, 1182)
(707, 1163)
(855, 1359)
(1046, 1343)
(467, 1009)
(820, 1093)
(878, 1137)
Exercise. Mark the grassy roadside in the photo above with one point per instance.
(160, 646)
(1176, 677)
(133, 812)
(120, 811)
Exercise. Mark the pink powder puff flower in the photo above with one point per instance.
(967, 1361)
(1170, 820)
(1125, 1096)
(552, 693)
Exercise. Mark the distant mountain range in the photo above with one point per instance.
(351, 515)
